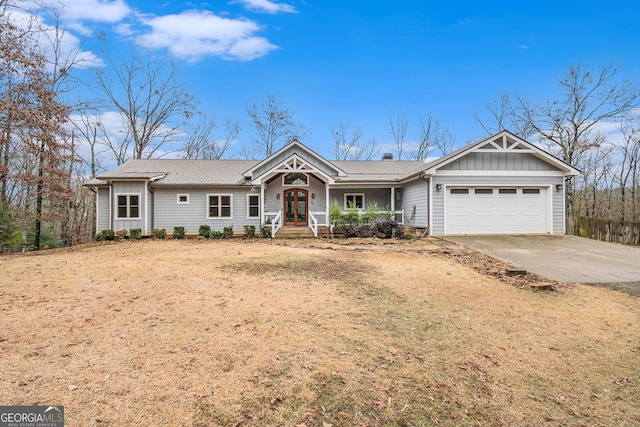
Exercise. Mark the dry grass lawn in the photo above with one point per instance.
(308, 333)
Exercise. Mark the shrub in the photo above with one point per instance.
(227, 232)
(135, 233)
(250, 231)
(265, 231)
(205, 231)
(352, 216)
(216, 235)
(105, 235)
(9, 229)
(386, 229)
(159, 233)
(335, 213)
(121, 234)
(178, 232)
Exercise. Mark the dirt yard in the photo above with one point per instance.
(309, 333)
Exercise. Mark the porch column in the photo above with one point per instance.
(327, 202)
(393, 199)
(263, 202)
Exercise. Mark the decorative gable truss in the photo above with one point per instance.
(296, 164)
(505, 144)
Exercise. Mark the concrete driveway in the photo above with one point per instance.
(568, 259)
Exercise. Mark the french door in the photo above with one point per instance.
(295, 207)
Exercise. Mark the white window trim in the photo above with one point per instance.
(295, 185)
(181, 195)
(220, 195)
(346, 205)
(120, 218)
(249, 206)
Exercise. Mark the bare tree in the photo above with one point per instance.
(154, 105)
(353, 146)
(433, 137)
(570, 125)
(274, 126)
(202, 143)
(398, 129)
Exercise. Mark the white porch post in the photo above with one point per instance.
(393, 199)
(263, 202)
(327, 202)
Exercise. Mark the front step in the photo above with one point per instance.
(288, 232)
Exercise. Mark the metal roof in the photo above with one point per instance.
(230, 172)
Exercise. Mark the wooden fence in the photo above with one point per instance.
(626, 233)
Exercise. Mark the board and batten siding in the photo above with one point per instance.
(484, 161)
(273, 204)
(129, 187)
(169, 213)
(416, 193)
(103, 221)
(557, 197)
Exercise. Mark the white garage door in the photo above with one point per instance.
(496, 210)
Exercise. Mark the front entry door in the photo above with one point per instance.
(295, 207)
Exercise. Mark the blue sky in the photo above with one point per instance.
(360, 61)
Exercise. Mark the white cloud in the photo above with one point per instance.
(194, 34)
(524, 46)
(95, 10)
(267, 6)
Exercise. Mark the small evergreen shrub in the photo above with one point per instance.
(205, 231)
(227, 232)
(335, 213)
(178, 232)
(159, 233)
(265, 231)
(135, 233)
(250, 231)
(121, 234)
(386, 229)
(105, 235)
(216, 235)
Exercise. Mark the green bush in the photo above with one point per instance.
(216, 234)
(250, 231)
(265, 231)
(335, 213)
(135, 234)
(105, 235)
(121, 234)
(159, 233)
(227, 232)
(205, 231)
(9, 230)
(178, 232)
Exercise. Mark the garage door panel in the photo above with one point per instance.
(489, 211)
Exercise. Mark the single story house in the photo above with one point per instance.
(499, 185)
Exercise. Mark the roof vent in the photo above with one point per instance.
(387, 156)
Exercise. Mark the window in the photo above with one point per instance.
(183, 199)
(507, 191)
(354, 200)
(128, 206)
(530, 191)
(295, 178)
(459, 191)
(219, 205)
(483, 191)
(253, 206)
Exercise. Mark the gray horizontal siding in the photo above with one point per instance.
(557, 197)
(129, 188)
(170, 214)
(499, 162)
(416, 194)
(380, 196)
(103, 221)
(275, 188)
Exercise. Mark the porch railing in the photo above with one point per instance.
(313, 224)
(397, 216)
(273, 220)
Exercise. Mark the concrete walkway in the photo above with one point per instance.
(568, 259)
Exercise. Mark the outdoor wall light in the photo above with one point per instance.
(313, 195)
(558, 187)
(278, 196)
(438, 187)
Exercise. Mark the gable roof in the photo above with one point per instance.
(503, 141)
(379, 170)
